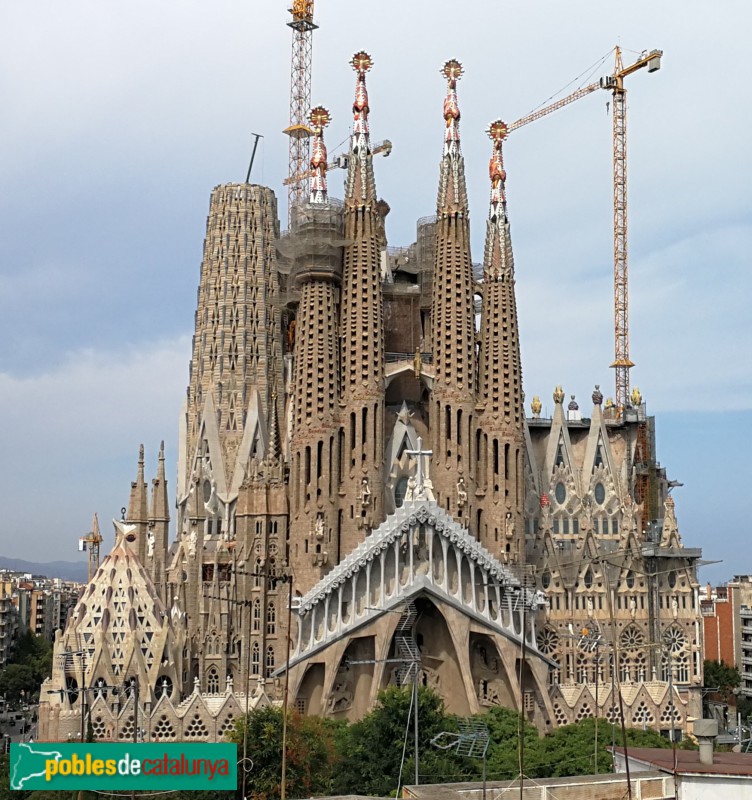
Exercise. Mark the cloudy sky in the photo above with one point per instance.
(120, 117)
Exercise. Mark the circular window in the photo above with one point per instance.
(674, 640)
(546, 579)
(548, 641)
(207, 491)
(630, 579)
(600, 494)
(561, 493)
(672, 579)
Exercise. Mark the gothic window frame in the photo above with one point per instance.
(212, 681)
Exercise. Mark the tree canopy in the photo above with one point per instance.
(325, 757)
(721, 677)
(29, 664)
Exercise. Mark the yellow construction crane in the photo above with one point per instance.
(90, 543)
(340, 162)
(615, 84)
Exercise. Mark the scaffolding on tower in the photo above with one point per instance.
(298, 130)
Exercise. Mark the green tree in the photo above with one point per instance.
(719, 675)
(570, 750)
(18, 680)
(311, 754)
(372, 749)
(29, 664)
(503, 760)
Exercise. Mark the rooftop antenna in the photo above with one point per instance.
(253, 155)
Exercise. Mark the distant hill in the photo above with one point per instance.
(66, 570)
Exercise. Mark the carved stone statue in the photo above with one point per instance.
(192, 542)
(150, 544)
(365, 494)
(341, 697)
(461, 495)
(628, 521)
(319, 527)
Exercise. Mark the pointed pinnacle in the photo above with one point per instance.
(360, 185)
(320, 118)
(497, 131)
(452, 198)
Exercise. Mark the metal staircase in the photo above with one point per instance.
(406, 647)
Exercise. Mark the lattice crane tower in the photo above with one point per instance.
(615, 84)
(300, 99)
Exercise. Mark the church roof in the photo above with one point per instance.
(120, 614)
(411, 513)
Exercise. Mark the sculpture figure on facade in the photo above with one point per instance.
(461, 495)
(365, 494)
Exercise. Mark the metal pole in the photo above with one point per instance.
(597, 707)
(522, 692)
(247, 690)
(283, 788)
(253, 155)
(83, 697)
(83, 714)
(135, 719)
(415, 721)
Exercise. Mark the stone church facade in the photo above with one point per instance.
(355, 457)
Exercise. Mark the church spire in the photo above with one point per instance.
(157, 537)
(500, 373)
(138, 505)
(452, 315)
(498, 261)
(360, 186)
(500, 472)
(362, 331)
(452, 197)
(320, 118)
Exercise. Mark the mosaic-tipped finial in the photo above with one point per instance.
(636, 397)
(573, 405)
(320, 118)
(497, 131)
(361, 61)
(452, 71)
(536, 406)
(597, 395)
(559, 395)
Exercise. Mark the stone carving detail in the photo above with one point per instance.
(341, 698)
